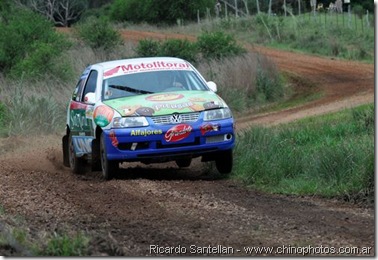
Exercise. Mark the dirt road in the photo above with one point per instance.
(153, 210)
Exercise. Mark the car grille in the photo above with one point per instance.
(166, 119)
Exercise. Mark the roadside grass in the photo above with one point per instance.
(64, 245)
(32, 109)
(16, 239)
(330, 156)
(326, 35)
(246, 82)
(3, 119)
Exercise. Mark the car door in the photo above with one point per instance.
(81, 112)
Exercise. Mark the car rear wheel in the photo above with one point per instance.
(109, 168)
(76, 164)
(224, 162)
(184, 162)
(66, 155)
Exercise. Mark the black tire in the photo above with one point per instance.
(66, 159)
(76, 164)
(224, 162)
(184, 162)
(109, 168)
(96, 161)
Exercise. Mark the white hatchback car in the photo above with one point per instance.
(149, 110)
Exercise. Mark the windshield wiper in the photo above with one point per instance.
(133, 90)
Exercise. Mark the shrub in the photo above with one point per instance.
(179, 48)
(98, 33)
(217, 45)
(172, 47)
(147, 48)
(63, 245)
(29, 45)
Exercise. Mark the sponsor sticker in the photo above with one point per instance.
(103, 115)
(164, 97)
(146, 66)
(208, 127)
(178, 106)
(178, 133)
(146, 132)
(113, 138)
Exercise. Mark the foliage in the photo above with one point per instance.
(29, 46)
(217, 45)
(172, 47)
(33, 114)
(147, 48)
(61, 13)
(179, 48)
(3, 123)
(98, 33)
(337, 35)
(63, 245)
(158, 12)
(331, 155)
(245, 81)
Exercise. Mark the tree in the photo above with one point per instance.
(60, 12)
(158, 12)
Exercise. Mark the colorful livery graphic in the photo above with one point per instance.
(151, 110)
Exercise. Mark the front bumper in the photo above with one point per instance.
(169, 141)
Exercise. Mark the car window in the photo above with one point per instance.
(78, 89)
(151, 82)
(90, 86)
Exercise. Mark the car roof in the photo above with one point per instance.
(111, 64)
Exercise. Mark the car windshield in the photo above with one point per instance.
(151, 82)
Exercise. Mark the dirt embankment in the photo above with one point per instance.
(148, 206)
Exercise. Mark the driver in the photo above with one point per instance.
(167, 80)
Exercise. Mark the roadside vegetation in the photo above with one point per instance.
(328, 156)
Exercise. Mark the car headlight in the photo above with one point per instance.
(121, 122)
(216, 114)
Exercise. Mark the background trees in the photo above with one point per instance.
(158, 12)
(60, 12)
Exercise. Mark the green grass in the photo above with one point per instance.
(64, 245)
(330, 35)
(330, 156)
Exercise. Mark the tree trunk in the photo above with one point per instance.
(258, 6)
(270, 7)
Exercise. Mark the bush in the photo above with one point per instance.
(30, 46)
(64, 245)
(217, 45)
(172, 47)
(147, 48)
(179, 48)
(98, 33)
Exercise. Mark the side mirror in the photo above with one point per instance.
(212, 86)
(90, 98)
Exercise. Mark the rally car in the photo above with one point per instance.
(149, 110)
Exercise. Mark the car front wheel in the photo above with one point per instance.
(224, 162)
(184, 162)
(109, 168)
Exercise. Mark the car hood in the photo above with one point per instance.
(166, 103)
